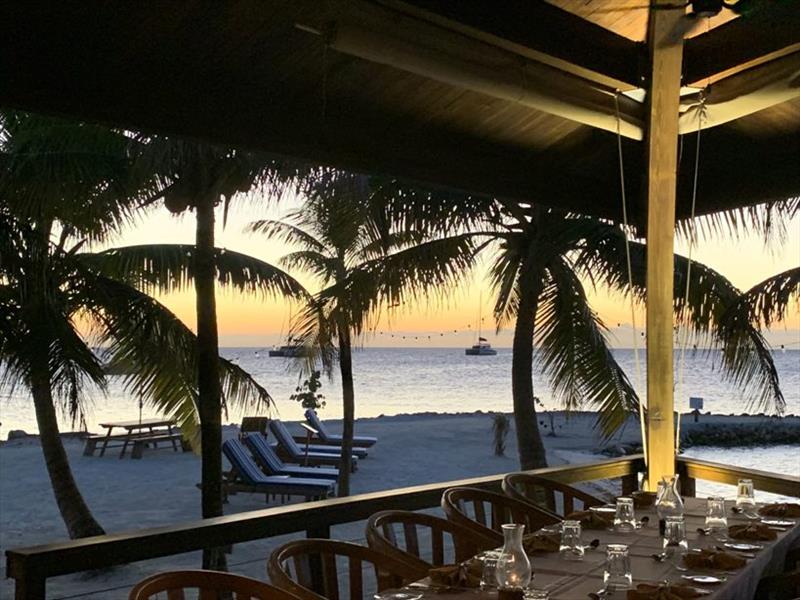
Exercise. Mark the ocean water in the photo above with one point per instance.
(390, 381)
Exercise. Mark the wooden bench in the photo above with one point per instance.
(140, 442)
(120, 440)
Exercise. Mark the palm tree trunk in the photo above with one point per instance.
(529, 439)
(348, 407)
(208, 383)
(74, 511)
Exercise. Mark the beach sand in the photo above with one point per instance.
(161, 488)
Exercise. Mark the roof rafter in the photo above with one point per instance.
(741, 41)
(386, 36)
(543, 28)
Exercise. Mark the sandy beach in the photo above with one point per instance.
(161, 488)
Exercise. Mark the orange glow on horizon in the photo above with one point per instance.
(256, 321)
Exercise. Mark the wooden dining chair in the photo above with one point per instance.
(211, 585)
(485, 512)
(396, 533)
(309, 569)
(546, 493)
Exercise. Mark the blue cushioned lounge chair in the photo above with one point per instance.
(271, 464)
(365, 441)
(296, 454)
(245, 476)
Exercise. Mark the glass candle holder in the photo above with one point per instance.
(745, 494)
(675, 542)
(716, 517)
(624, 518)
(513, 570)
(617, 574)
(571, 546)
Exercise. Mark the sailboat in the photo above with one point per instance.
(483, 347)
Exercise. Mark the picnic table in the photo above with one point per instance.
(573, 580)
(137, 433)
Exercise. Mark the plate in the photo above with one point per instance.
(708, 579)
(745, 547)
(778, 523)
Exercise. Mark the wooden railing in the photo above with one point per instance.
(32, 566)
(692, 469)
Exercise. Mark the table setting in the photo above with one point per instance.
(644, 546)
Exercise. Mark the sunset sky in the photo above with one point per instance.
(250, 321)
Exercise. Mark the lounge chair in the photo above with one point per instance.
(296, 454)
(364, 441)
(245, 476)
(303, 441)
(271, 464)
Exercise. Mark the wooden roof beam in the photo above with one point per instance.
(741, 41)
(744, 93)
(383, 36)
(542, 28)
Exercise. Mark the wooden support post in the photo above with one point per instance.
(31, 587)
(662, 163)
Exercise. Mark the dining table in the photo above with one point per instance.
(565, 578)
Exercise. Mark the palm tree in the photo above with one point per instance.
(363, 267)
(197, 176)
(540, 259)
(63, 186)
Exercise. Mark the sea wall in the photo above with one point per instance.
(766, 433)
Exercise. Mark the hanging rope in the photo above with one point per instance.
(684, 334)
(636, 359)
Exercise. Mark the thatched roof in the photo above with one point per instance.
(512, 98)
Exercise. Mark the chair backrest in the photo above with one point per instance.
(241, 461)
(309, 570)
(546, 493)
(395, 533)
(313, 419)
(254, 425)
(264, 453)
(212, 585)
(284, 438)
(486, 512)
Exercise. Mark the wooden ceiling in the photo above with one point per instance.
(243, 73)
(628, 18)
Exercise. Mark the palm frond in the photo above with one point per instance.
(134, 329)
(286, 233)
(320, 265)
(768, 220)
(171, 267)
(768, 301)
(83, 176)
(746, 359)
(433, 268)
(575, 354)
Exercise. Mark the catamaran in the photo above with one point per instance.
(482, 348)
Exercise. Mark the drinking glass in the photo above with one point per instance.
(716, 518)
(675, 542)
(571, 545)
(617, 575)
(624, 519)
(489, 573)
(745, 494)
